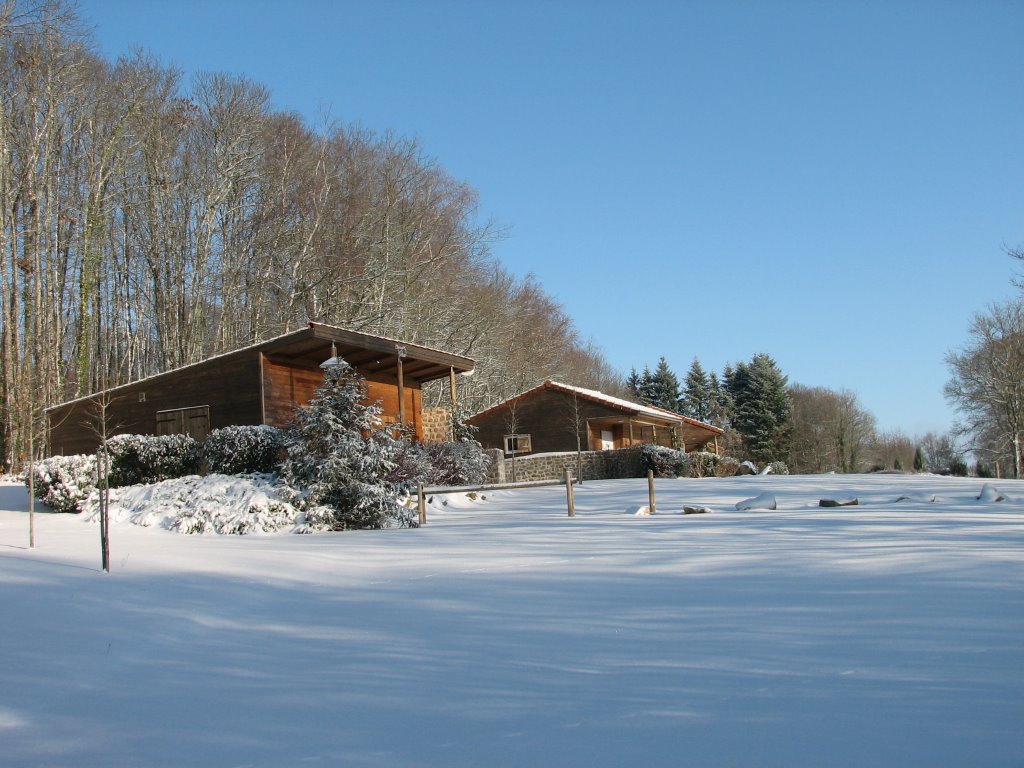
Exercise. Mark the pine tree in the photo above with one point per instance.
(663, 389)
(696, 400)
(633, 382)
(763, 410)
(645, 385)
(920, 465)
(338, 457)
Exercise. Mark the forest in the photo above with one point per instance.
(147, 223)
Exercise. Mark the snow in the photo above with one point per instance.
(505, 633)
(763, 501)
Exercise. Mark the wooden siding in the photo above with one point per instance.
(228, 385)
(286, 387)
(547, 416)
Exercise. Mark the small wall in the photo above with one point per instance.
(597, 465)
(437, 425)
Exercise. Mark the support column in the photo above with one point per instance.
(401, 387)
(455, 403)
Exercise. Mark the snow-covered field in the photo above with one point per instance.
(507, 634)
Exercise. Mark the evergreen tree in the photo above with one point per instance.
(645, 385)
(633, 382)
(920, 465)
(338, 457)
(663, 388)
(696, 401)
(763, 409)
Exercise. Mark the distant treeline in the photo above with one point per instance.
(146, 223)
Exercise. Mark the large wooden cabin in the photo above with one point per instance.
(260, 384)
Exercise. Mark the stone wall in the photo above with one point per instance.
(597, 465)
(437, 425)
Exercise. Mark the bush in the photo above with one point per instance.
(63, 483)
(727, 466)
(664, 462)
(454, 463)
(704, 463)
(779, 468)
(459, 463)
(243, 449)
(958, 468)
(137, 459)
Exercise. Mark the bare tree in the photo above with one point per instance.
(576, 423)
(987, 384)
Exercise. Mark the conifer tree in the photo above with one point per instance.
(696, 401)
(763, 409)
(645, 385)
(920, 465)
(633, 382)
(338, 457)
(663, 389)
(720, 402)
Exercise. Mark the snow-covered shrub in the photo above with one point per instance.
(215, 503)
(664, 462)
(138, 459)
(63, 483)
(458, 463)
(779, 468)
(412, 465)
(243, 449)
(727, 466)
(338, 456)
(703, 463)
(453, 463)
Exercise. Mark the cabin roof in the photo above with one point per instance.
(312, 345)
(616, 403)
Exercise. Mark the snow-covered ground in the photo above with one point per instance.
(506, 634)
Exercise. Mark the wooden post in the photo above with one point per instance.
(650, 491)
(455, 402)
(421, 504)
(401, 389)
(569, 500)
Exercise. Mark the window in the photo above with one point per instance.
(517, 444)
(185, 421)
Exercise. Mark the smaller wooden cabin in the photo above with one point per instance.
(260, 384)
(547, 417)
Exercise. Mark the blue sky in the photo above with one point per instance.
(833, 183)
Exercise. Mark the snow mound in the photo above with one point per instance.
(232, 504)
(989, 494)
(640, 511)
(761, 501)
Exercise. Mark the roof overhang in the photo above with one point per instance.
(311, 346)
(372, 354)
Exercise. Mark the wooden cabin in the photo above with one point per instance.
(545, 419)
(260, 384)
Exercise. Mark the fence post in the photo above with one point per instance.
(650, 491)
(422, 504)
(569, 500)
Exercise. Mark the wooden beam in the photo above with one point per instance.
(401, 392)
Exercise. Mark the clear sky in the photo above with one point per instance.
(834, 183)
